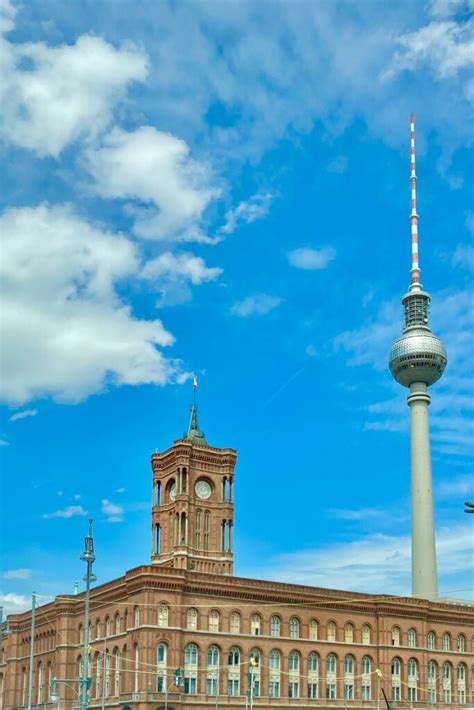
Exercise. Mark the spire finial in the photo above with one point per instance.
(194, 433)
(415, 266)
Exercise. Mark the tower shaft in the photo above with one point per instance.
(423, 562)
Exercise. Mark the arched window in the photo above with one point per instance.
(157, 500)
(313, 662)
(98, 629)
(446, 642)
(161, 653)
(349, 633)
(411, 638)
(191, 619)
(163, 613)
(190, 654)
(431, 641)
(461, 671)
(254, 667)
(396, 666)
(136, 616)
(274, 660)
(396, 636)
(98, 674)
(461, 643)
(293, 677)
(213, 656)
(190, 669)
(313, 630)
(234, 656)
(255, 622)
(233, 674)
(294, 628)
(349, 664)
(432, 670)
(447, 671)
(331, 665)
(412, 668)
(136, 659)
(212, 674)
(366, 688)
(81, 633)
(207, 518)
(366, 665)
(313, 686)
(117, 624)
(447, 675)
(108, 627)
(106, 675)
(23, 686)
(214, 620)
(275, 625)
(197, 531)
(40, 683)
(235, 623)
(331, 631)
(366, 634)
(116, 672)
(294, 661)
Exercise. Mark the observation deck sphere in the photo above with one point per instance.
(417, 356)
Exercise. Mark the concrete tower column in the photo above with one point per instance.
(423, 563)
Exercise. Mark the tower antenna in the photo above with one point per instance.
(415, 264)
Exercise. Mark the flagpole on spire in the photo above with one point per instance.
(195, 384)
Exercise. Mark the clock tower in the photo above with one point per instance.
(193, 508)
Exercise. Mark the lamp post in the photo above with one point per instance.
(88, 557)
(53, 693)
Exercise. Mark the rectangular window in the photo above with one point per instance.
(256, 687)
(312, 690)
(412, 695)
(160, 684)
(190, 686)
(330, 691)
(233, 686)
(447, 696)
(349, 691)
(396, 695)
(366, 692)
(431, 696)
(293, 689)
(274, 689)
(461, 697)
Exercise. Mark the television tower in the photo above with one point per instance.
(417, 360)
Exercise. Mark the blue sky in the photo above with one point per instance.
(224, 188)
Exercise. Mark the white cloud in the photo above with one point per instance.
(20, 573)
(378, 564)
(311, 259)
(444, 45)
(120, 490)
(4, 442)
(23, 415)
(259, 304)
(156, 169)
(113, 511)
(63, 93)
(464, 256)
(15, 603)
(66, 332)
(247, 212)
(170, 274)
(70, 512)
(7, 16)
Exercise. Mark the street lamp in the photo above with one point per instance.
(53, 692)
(88, 557)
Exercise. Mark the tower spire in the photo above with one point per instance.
(194, 433)
(415, 264)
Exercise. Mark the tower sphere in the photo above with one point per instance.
(417, 356)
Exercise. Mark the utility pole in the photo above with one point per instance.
(32, 650)
(88, 557)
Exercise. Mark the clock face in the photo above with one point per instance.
(203, 489)
(173, 491)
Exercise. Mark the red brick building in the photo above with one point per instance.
(295, 646)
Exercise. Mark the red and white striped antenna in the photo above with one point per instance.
(415, 265)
